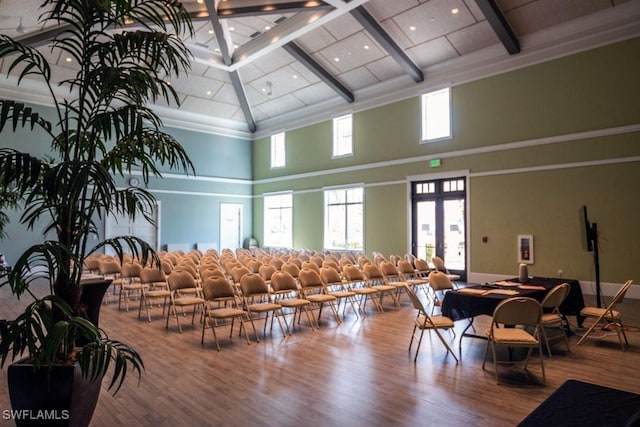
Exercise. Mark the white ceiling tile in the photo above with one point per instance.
(304, 72)
(542, 14)
(433, 19)
(474, 37)
(384, 9)
(432, 52)
(217, 74)
(281, 81)
(385, 68)
(281, 105)
(210, 108)
(196, 86)
(250, 72)
(475, 10)
(273, 60)
(352, 52)
(343, 26)
(226, 93)
(358, 78)
(315, 40)
(396, 33)
(315, 93)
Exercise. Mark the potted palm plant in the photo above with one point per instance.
(124, 52)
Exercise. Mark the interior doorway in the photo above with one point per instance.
(230, 226)
(438, 219)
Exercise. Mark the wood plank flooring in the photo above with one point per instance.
(358, 373)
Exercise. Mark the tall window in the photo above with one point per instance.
(278, 159)
(343, 136)
(278, 213)
(436, 115)
(344, 219)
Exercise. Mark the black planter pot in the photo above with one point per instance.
(56, 396)
(93, 291)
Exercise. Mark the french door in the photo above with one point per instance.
(439, 222)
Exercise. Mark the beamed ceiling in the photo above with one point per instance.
(267, 65)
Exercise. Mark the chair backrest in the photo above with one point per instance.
(253, 265)
(216, 288)
(439, 281)
(188, 267)
(130, 270)
(109, 267)
(291, 268)
(238, 272)
(389, 270)
(277, 263)
(253, 284)
(181, 279)
(266, 271)
(331, 264)
(152, 275)
(282, 281)
(421, 265)
(362, 261)
(311, 265)
(438, 263)
(415, 301)
(309, 278)
(518, 311)
(330, 275)
(405, 267)
(372, 272)
(352, 273)
(317, 260)
(211, 272)
(295, 260)
(555, 296)
(619, 296)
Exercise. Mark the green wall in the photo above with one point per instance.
(536, 144)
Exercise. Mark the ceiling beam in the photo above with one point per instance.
(298, 53)
(500, 25)
(236, 9)
(236, 81)
(289, 30)
(373, 27)
(223, 35)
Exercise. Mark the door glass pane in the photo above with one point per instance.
(454, 234)
(426, 223)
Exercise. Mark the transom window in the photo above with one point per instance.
(344, 218)
(436, 115)
(343, 136)
(278, 153)
(278, 214)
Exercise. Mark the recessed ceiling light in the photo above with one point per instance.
(455, 10)
(210, 31)
(217, 49)
(232, 28)
(295, 76)
(336, 59)
(267, 27)
(209, 92)
(68, 59)
(366, 47)
(412, 28)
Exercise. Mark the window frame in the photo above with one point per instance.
(337, 140)
(425, 112)
(276, 139)
(287, 242)
(327, 217)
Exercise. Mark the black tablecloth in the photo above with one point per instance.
(576, 403)
(457, 305)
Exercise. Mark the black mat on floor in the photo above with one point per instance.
(576, 403)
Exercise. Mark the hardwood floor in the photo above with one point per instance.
(356, 373)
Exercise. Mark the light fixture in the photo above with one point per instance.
(268, 89)
(366, 47)
(21, 29)
(455, 10)
(412, 28)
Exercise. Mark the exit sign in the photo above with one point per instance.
(435, 163)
